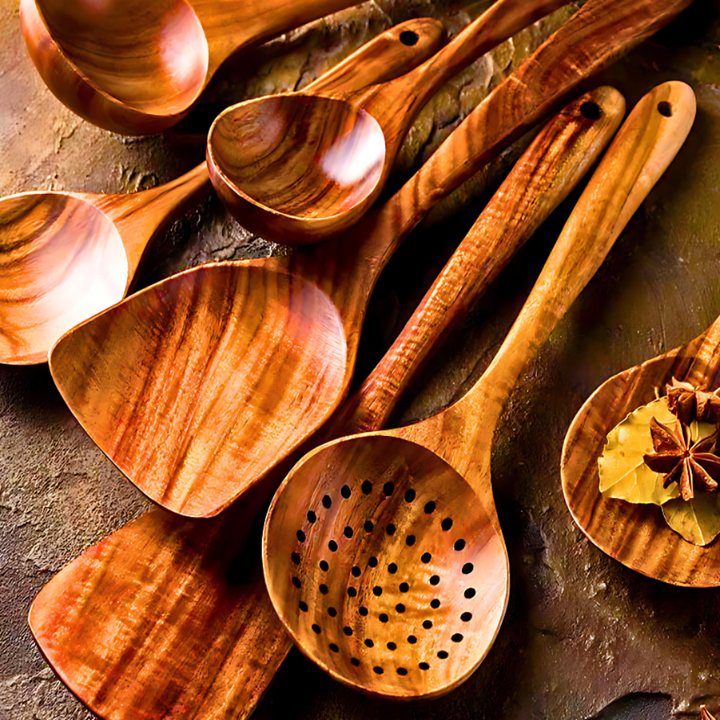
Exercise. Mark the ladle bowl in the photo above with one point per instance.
(66, 256)
(300, 169)
(363, 522)
(138, 67)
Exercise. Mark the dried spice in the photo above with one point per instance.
(689, 464)
(704, 714)
(625, 475)
(622, 469)
(688, 403)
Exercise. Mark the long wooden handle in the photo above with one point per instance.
(592, 39)
(550, 168)
(141, 216)
(402, 99)
(645, 146)
(394, 52)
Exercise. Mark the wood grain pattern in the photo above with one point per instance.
(637, 535)
(345, 269)
(404, 520)
(556, 160)
(300, 168)
(137, 67)
(66, 256)
(198, 556)
(99, 622)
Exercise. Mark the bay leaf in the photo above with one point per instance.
(623, 474)
(697, 520)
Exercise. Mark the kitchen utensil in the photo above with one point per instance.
(637, 535)
(199, 385)
(298, 168)
(156, 604)
(396, 531)
(66, 256)
(137, 67)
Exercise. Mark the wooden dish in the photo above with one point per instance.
(164, 597)
(198, 386)
(298, 168)
(67, 256)
(382, 552)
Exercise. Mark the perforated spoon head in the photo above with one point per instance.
(272, 163)
(387, 569)
(63, 260)
(119, 63)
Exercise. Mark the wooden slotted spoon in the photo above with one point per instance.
(299, 168)
(66, 256)
(199, 385)
(164, 598)
(396, 531)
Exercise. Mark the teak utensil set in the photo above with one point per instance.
(195, 564)
(383, 554)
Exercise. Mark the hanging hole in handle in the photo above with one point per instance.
(409, 37)
(664, 108)
(590, 110)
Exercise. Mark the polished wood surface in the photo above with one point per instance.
(66, 256)
(185, 561)
(382, 552)
(136, 67)
(299, 168)
(637, 535)
(559, 156)
(109, 388)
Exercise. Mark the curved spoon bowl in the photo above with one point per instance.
(423, 583)
(635, 535)
(63, 260)
(137, 67)
(273, 156)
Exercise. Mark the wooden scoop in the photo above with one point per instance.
(164, 598)
(637, 535)
(137, 67)
(298, 168)
(382, 552)
(66, 256)
(199, 385)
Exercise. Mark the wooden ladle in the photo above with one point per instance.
(137, 67)
(199, 385)
(298, 168)
(396, 531)
(157, 604)
(66, 256)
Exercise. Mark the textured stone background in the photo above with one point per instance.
(584, 637)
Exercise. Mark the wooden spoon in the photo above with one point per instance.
(137, 67)
(298, 168)
(157, 603)
(637, 535)
(66, 256)
(396, 531)
(199, 385)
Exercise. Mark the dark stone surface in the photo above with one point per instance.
(584, 637)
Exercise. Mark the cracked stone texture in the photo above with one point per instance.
(584, 637)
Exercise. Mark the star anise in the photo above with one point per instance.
(680, 460)
(688, 403)
(705, 714)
